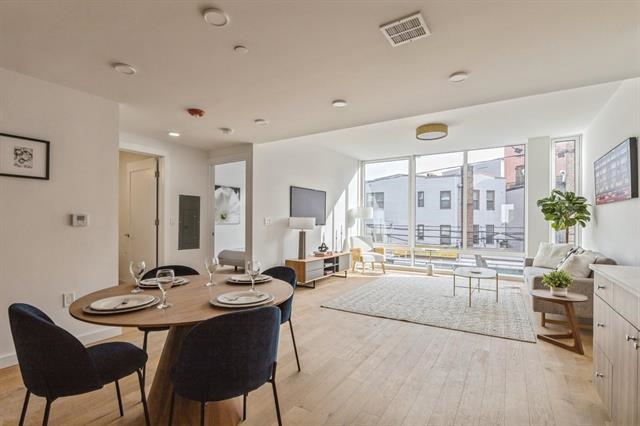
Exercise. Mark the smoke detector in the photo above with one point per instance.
(405, 30)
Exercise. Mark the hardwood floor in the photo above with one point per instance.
(361, 370)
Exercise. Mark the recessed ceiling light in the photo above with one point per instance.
(458, 77)
(225, 130)
(240, 50)
(125, 69)
(339, 103)
(215, 17)
(260, 122)
(174, 134)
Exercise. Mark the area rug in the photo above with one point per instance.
(430, 301)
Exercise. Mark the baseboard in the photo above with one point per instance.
(10, 359)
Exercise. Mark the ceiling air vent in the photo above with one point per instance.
(405, 30)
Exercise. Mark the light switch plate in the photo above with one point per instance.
(267, 221)
(79, 219)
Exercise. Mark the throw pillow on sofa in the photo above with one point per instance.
(577, 265)
(549, 255)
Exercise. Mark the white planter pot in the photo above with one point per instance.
(559, 292)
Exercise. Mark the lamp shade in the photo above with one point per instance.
(364, 213)
(302, 222)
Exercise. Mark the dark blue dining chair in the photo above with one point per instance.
(54, 364)
(286, 274)
(228, 356)
(178, 271)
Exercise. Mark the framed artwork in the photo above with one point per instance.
(227, 205)
(616, 173)
(24, 157)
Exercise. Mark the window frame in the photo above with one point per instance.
(445, 200)
(476, 199)
(492, 200)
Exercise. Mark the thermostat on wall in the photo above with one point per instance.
(79, 219)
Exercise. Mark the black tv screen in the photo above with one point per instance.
(308, 203)
(616, 173)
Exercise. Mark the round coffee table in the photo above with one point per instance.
(566, 301)
(475, 272)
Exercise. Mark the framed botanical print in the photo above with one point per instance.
(24, 157)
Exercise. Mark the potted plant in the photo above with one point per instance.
(558, 282)
(564, 210)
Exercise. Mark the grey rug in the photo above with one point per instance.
(430, 301)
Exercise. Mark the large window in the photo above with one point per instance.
(461, 203)
(564, 159)
(496, 172)
(386, 189)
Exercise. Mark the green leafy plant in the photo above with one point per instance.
(564, 210)
(557, 279)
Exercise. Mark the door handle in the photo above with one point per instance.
(602, 287)
(127, 235)
(634, 338)
(599, 324)
(599, 375)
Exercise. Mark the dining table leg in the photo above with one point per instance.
(186, 412)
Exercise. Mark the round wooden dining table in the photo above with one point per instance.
(190, 307)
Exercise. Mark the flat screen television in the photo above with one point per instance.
(616, 173)
(308, 203)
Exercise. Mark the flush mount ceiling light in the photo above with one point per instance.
(225, 130)
(339, 103)
(174, 134)
(432, 131)
(215, 17)
(458, 77)
(125, 69)
(260, 122)
(240, 50)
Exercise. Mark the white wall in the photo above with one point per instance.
(615, 228)
(41, 255)
(231, 236)
(538, 184)
(183, 171)
(278, 165)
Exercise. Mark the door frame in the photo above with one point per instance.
(234, 155)
(162, 196)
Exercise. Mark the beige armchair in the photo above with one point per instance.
(363, 251)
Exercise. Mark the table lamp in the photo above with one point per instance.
(303, 224)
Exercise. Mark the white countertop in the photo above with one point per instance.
(625, 276)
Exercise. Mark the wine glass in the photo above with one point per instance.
(253, 268)
(211, 263)
(164, 277)
(136, 269)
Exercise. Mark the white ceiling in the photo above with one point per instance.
(558, 114)
(305, 53)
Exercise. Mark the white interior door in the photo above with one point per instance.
(141, 232)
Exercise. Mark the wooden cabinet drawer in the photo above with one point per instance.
(626, 303)
(602, 377)
(602, 330)
(314, 275)
(603, 288)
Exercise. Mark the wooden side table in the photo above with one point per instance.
(574, 333)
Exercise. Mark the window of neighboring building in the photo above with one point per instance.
(420, 198)
(420, 233)
(476, 199)
(375, 199)
(445, 235)
(519, 175)
(445, 200)
(476, 234)
(491, 199)
(490, 234)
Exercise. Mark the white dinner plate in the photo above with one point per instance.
(118, 303)
(242, 297)
(89, 310)
(153, 282)
(216, 302)
(246, 279)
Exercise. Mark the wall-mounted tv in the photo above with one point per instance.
(308, 203)
(616, 173)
